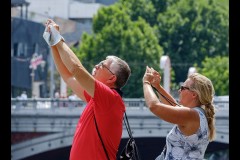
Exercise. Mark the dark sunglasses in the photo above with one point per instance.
(183, 88)
(101, 64)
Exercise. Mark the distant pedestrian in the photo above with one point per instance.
(73, 97)
(57, 95)
(24, 95)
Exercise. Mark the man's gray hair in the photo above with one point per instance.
(123, 72)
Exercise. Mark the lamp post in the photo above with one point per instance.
(165, 64)
(35, 61)
(192, 70)
(32, 75)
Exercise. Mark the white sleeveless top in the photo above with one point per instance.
(193, 147)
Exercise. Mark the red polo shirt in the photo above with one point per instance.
(108, 107)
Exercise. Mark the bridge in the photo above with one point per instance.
(42, 125)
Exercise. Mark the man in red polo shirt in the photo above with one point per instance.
(101, 90)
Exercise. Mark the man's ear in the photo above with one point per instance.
(112, 79)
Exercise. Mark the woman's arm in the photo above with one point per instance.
(177, 115)
(163, 95)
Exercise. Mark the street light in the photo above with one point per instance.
(165, 64)
(192, 70)
(35, 61)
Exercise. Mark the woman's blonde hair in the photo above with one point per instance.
(205, 91)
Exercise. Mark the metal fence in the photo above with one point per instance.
(221, 103)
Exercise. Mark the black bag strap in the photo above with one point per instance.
(130, 135)
(167, 99)
(172, 103)
(105, 150)
(164, 148)
(127, 125)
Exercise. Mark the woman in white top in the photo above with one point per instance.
(194, 117)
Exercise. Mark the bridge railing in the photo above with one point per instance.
(221, 103)
(57, 115)
(48, 103)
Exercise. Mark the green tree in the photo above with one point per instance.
(140, 8)
(190, 30)
(162, 5)
(146, 9)
(115, 34)
(217, 70)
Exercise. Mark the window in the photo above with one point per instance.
(19, 50)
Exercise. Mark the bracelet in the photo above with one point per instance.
(147, 82)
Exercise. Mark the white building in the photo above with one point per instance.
(73, 16)
(66, 9)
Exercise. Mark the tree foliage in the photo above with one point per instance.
(190, 30)
(115, 34)
(217, 70)
(140, 8)
(141, 31)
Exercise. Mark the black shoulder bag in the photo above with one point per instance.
(130, 151)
